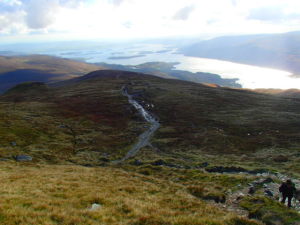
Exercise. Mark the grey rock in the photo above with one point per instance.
(251, 190)
(95, 206)
(137, 162)
(268, 180)
(203, 165)
(269, 193)
(3, 159)
(23, 158)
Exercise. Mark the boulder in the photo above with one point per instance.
(23, 158)
(159, 162)
(94, 207)
(137, 162)
(280, 158)
(269, 193)
(222, 169)
(258, 171)
(268, 180)
(202, 165)
(251, 190)
(104, 159)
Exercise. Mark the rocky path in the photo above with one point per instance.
(144, 138)
(265, 184)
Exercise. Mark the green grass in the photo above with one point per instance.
(62, 194)
(269, 211)
(88, 122)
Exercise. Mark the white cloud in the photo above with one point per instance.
(274, 13)
(41, 13)
(144, 18)
(184, 13)
(277, 13)
(117, 2)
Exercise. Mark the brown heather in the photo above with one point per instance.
(63, 194)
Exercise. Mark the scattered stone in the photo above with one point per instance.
(95, 206)
(3, 159)
(222, 169)
(251, 190)
(280, 158)
(87, 165)
(240, 197)
(203, 165)
(269, 193)
(23, 158)
(105, 155)
(104, 159)
(159, 162)
(258, 171)
(268, 180)
(137, 162)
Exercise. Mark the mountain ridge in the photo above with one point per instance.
(279, 51)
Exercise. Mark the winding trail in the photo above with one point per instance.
(144, 138)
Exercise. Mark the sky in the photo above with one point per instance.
(40, 20)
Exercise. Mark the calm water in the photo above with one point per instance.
(249, 76)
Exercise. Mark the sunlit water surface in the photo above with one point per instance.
(248, 76)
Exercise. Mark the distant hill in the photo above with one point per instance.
(168, 70)
(289, 93)
(279, 51)
(49, 69)
(15, 70)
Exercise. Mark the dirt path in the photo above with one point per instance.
(144, 138)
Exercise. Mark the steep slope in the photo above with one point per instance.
(89, 115)
(78, 195)
(88, 121)
(280, 51)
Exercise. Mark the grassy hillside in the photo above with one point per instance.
(43, 194)
(88, 118)
(88, 122)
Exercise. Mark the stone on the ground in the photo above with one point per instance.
(280, 158)
(268, 180)
(251, 190)
(94, 207)
(23, 158)
(137, 162)
(203, 165)
(269, 193)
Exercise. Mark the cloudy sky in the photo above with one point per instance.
(94, 19)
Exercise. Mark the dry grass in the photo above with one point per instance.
(43, 194)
